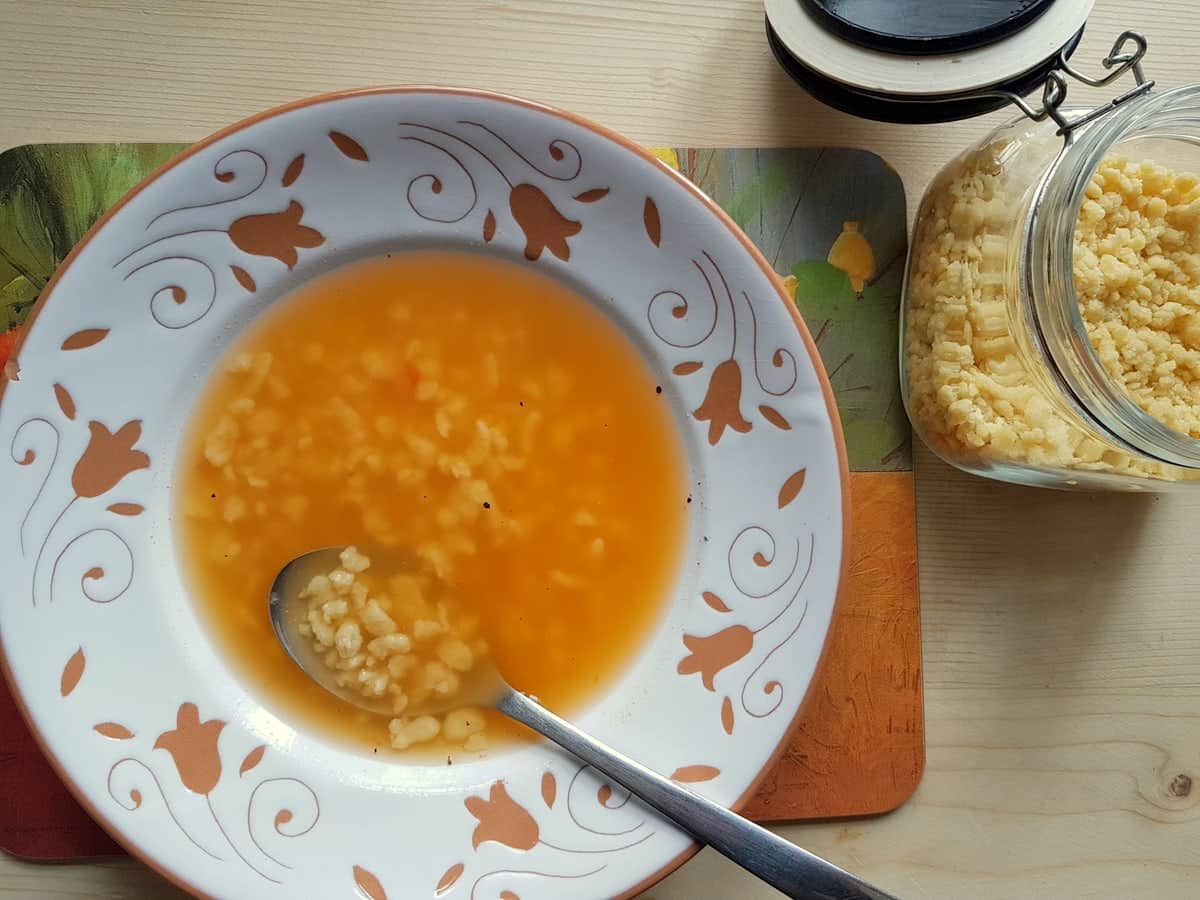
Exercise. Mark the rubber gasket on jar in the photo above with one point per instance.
(816, 48)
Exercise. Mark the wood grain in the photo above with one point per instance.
(1061, 632)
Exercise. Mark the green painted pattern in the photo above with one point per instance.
(50, 195)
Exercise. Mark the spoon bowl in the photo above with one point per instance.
(482, 686)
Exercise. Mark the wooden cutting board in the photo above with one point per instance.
(832, 222)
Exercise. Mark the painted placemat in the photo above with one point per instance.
(832, 223)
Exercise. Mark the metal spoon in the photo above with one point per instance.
(792, 870)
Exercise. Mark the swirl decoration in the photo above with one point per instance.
(236, 167)
(756, 549)
(764, 686)
(96, 582)
(781, 358)
(768, 687)
(26, 454)
(599, 793)
(503, 894)
(283, 796)
(424, 189)
(184, 302)
(37, 563)
(126, 787)
(451, 136)
(234, 847)
(671, 304)
(556, 150)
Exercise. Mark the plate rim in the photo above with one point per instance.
(117, 834)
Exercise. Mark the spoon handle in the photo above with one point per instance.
(780, 863)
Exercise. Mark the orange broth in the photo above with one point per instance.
(305, 438)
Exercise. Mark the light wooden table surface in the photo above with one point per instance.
(1062, 632)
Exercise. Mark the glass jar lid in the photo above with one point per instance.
(922, 60)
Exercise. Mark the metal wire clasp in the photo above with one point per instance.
(1126, 54)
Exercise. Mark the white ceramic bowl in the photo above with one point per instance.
(130, 698)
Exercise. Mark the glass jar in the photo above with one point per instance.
(998, 366)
